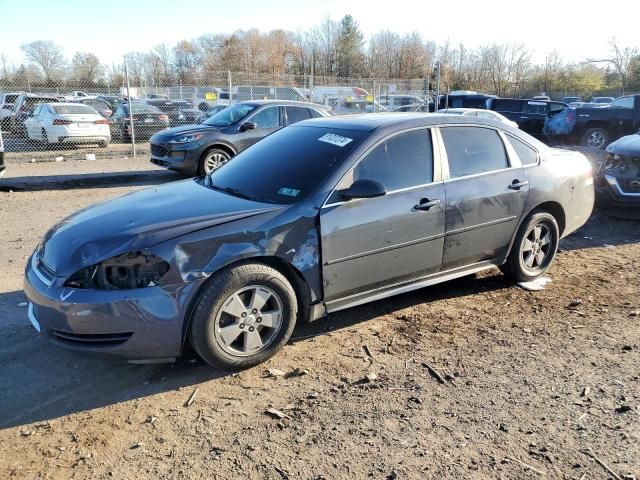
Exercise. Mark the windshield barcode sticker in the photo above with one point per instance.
(291, 192)
(335, 139)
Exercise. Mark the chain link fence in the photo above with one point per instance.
(75, 121)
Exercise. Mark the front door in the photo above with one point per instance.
(370, 244)
(486, 193)
(267, 121)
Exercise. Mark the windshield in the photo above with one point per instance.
(230, 115)
(287, 165)
(73, 110)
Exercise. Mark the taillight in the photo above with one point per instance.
(60, 121)
(102, 121)
(571, 116)
(163, 118)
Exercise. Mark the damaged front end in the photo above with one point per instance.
(126, 271)
(618, 179)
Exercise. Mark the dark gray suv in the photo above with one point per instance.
(318, 217)
(200, 149)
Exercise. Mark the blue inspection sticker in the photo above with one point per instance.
(290, 192)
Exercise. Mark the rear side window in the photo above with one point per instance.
(473, 150)
(314, 113)
(506, 105)
(526, 154)
(537, 107)
(297, 114)
(402, 161)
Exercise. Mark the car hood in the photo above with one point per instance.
(140, 220)
(171, 133)
(629, 145)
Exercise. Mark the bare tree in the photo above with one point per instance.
(47, 56)
(622, 60)
(86, 68)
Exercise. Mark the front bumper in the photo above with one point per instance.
(141, 324)
(182, 157)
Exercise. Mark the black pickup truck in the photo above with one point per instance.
(597, 127)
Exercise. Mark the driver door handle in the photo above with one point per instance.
(425, 204)
(517, 184)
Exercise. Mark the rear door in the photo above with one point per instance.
(534, 118)
(372, 243)
(510, 108)
(486, 190)
(33, 124)
(267, 120)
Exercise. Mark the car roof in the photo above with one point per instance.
(395, 121)
(284, 103)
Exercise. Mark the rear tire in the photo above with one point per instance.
(534, 248)
(597, 138)
(243, 316)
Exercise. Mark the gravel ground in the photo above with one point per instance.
(476, 378)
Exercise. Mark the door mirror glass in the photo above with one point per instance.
(364, 188)
(248, 126)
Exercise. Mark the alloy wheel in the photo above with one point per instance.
(213, 161)
(249, 320)
(536, 247)
(595, 140)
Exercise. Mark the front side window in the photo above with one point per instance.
(526, 154)
(402, 161)
(624, 102)
(473, 150)
(267, 118)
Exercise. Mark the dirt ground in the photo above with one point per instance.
(475, 379)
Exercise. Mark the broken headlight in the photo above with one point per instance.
(126, 271)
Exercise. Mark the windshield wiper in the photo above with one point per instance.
(234, 191)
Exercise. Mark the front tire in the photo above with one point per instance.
(534, 248)
(211, 160)
(243, 316)
(596, 138)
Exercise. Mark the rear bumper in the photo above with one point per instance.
(141, 324)
(84, 139)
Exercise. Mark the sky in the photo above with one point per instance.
(112, 28)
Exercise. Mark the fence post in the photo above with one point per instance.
(230, 87)
(133, 133)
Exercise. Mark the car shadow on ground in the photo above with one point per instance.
(603, 230)
(88, 180)
(42, 381)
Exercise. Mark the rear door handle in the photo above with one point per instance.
(517, 184)
(425, 204)
(524, 118)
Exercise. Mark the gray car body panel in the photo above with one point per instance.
(199, 231)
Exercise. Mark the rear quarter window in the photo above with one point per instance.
(526, 154)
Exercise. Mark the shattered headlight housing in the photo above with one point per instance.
(127, 271)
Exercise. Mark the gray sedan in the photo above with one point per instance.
(320, 216)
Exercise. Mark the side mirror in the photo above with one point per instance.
(248, 126)
(364, 188)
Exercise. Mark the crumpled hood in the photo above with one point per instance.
(629, 145)
(171, 133)
(140, 220)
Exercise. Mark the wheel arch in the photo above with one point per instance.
(553, 208)
(290, 272)
(219, 146)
